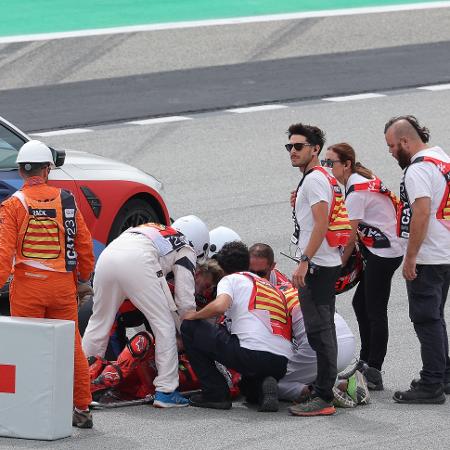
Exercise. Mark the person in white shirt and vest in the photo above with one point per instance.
(321, 228)
(425, 222)
(372, 210)
(255, 339)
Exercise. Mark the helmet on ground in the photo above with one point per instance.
(220, 236)
(351, 273)
(196, 232)
(34, 152)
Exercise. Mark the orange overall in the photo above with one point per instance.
(44, 283)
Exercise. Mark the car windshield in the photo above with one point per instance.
(9, 146)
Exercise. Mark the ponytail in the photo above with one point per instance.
(363, 171)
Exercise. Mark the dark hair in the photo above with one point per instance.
(260, 250)
(32, 169)
(423, 132)
(234, 257)
(314, 135)
(346, 153)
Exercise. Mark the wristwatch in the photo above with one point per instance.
(304, 258)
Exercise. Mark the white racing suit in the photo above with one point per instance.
(133, 267)
(302, 366)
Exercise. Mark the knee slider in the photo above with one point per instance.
(139, 344)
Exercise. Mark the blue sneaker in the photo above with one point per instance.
(169, 400)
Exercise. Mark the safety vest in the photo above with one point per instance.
(47, 235)
(291, 295)
(166, 239)
(443, 211)
(369, 235)
(277, 278)
(339, 227)
(268, 298)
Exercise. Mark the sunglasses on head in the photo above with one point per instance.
(298, 146)
(328, 162)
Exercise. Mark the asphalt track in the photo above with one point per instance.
(208, 89)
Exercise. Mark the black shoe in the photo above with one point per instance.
(374, 379)
(422, 394)
(269, 395)
(415, 382)
(201, 402)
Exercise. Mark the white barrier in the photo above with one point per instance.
(36, 378)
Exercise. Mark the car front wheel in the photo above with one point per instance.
(135, 212)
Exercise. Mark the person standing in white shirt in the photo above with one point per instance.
(425, 221)
(372, 209)
(321, 227)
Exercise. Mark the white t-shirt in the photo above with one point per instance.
(314, 189)
(253, 332)
(378, 211)
(423, 179)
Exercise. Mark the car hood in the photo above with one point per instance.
(82, 165)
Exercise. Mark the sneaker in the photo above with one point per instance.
(200, 401)
(416, 381)
(314, 407)
(169, 400)
(357, 392)
(374, 379)
(82, 419)
(359, 365)
(421, 394)
(269, 395)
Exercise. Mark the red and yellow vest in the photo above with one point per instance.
(369, 235)
(268, 298)
(443, 211)
(47, 236)
(339, 227)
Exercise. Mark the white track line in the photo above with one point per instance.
(159, 120)
(63, 132)
(251, 109)
(436, 87)
(218, 22)
(349, 98)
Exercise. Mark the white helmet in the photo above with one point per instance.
(34, 152)
(220, 236)
(196, 232)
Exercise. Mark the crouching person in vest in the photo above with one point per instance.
(135, 266)
(255, 341)
(43, 234)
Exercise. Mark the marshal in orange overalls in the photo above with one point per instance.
(45, 238)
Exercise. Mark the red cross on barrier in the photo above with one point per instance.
(7, 379)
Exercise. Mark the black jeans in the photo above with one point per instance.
(427, 295)
(370, 304)
(317, 300)
(206, 343)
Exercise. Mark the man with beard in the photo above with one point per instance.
(321, 227)
(425, 221)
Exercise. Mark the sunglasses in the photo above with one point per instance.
(328, 162)
(298, 146)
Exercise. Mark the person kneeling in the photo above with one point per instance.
(256, 341)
